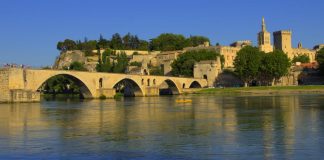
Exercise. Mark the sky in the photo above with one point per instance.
(30, 30)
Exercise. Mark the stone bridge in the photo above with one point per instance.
(25, 85)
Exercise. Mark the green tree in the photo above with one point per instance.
(89, 46)
(116, 41)
(158, 71)
(122, 63)
(301, 58)
(184, 64)
(247, 63)
(320, 60)
(77, 66)
(274, 65)
(143, 45)
(197, 40)
(61, 84)
(103, 43)
(104, 64)
(168, 42)
(66, 45)
(138, 64)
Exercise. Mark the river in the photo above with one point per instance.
(208, 127)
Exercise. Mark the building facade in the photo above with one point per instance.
(282, 41)
(208, 70)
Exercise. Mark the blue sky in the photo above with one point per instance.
(29, 30)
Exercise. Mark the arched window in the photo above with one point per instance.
(100, 83)
(145, 72)
(154, 82)
(142, 81)
(148, 82)
(183, 85)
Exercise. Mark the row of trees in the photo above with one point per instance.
(164, 42)
(253, 65)
(170, 42)
(129, 41)
(118, 65)
(184, 64)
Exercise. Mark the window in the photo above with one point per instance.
(100, 83)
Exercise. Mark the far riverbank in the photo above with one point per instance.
(262, 90)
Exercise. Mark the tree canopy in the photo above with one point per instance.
(66, 45)
(168, 42)
(320, 60)
(119, 64)
(274, 65)
(184, 64)
(164, 42)
(247, 63)
(60, 84)
(197, 40)
(254, 65)
(171, 42)
(77, 66)
(301, 58)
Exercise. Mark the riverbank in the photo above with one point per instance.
(263, 90)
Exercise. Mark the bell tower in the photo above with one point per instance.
(264, 39)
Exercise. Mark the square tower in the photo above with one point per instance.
(282, 40)
(264, 39)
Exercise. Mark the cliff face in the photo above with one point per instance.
(66, 58)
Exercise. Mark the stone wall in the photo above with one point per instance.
(19, 95)
(12, 86)
(4, 85)
(208, 70)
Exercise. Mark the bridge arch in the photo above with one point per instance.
(195, 84)
(128, 87)
(85, 90)
(168, 87)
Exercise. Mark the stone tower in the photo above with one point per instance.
(264, 39)
(282, 40)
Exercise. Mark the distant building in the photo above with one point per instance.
(229, 54)
(264, 41)
(318, 47)
(208, 70)
(241, 43)
(282, 41)
(165, 60)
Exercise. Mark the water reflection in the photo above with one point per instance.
(210, 127)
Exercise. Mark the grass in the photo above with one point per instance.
(262, 89)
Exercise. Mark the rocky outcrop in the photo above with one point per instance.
(66, 58)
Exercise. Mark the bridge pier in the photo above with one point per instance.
(152, 91)
(108, 92)
(12, 87)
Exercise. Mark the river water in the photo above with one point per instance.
(209, 127)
